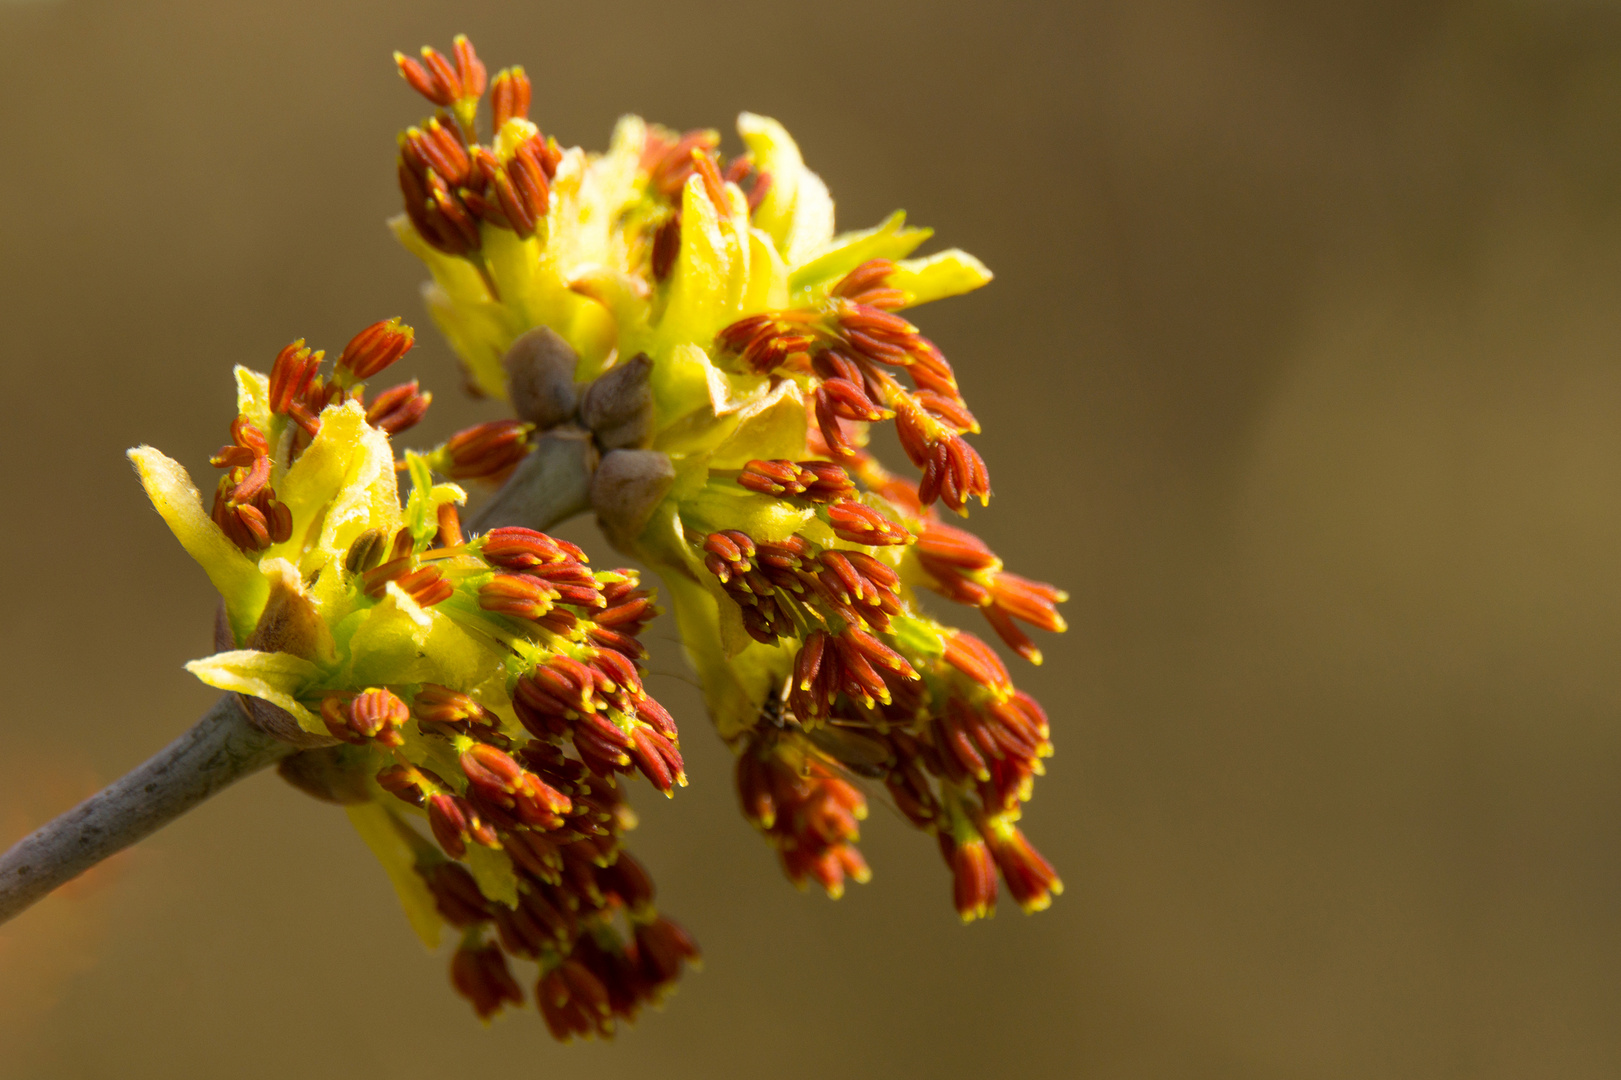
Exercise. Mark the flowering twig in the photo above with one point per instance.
(690, 350)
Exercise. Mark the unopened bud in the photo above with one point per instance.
(540, 378)
(618, 407)
(627, 487)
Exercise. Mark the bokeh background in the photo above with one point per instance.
(1300, 372)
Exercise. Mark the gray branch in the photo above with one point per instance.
(551, 485)
(219, 750)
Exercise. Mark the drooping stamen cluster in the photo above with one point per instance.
(571, 900)
(557, 816)
(451, 182)
(808, 812)
(957, 745)
(848, 345)
(964, 749)
(669, 159)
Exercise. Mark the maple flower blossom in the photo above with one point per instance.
(474, 702)
(793, 560)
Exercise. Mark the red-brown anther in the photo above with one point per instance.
(435, 704)
(520, 189)
(487, 451)
(438, 216)
(1035, 602)
(664, 948)
(756, 788)
(588, 596)
(455, 894)
(547, 698)
(424, 584)
(877, 654)
(398, 408)
(491, 771)
(529, 175)
(498, 781)
(620, 971)
(656, 716)
(814, 481)
(247, 444)
(842, 582)
(828, 867)
(454, 822)
(847, 400)
(252, 480)
(1024, 714)
(437, 147)
(480, 974)
(452, 212)
(553, 909)
(516, 548)
(947, 546)
(703, 163)
(966, 741)
(954, 473)
(573, 1002)
(668, 164)
(666, 246)
(295, 390)
(1011, 783)
(772, 478)
(973, 877)
(817, 677)
(1030, 878)
(861, 524)
(525, 931)
(509, 96)
(617, 680)
(869, 284)
(605, 739)
(860, 681)
(657, 759)
(629, 881)
(931, 371)
(374, 714)
(449, 520)
(408, 783)
(469, 68)
(233, 457)
(975, 659)
(761, 188)
(629, 614)
(914, 797)
(376, 347)
(518, 595)
(732, 546)
(437, 80)
(948, 411)
(535, 853)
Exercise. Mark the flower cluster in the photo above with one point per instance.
(473, 701)
(690, 327)
(769, 345)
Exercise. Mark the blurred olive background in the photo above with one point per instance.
(1300, 372)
